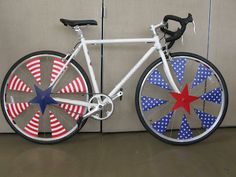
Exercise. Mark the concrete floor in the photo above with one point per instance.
(119, 155)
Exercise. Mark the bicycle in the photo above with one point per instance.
(181, 98)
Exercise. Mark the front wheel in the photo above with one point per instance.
(186, 117)
(27, 100)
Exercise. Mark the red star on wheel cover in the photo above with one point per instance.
(183, 99)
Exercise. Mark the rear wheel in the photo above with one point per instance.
(27, 101)
(189, 116)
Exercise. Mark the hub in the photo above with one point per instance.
(43, 98)
(183, 99)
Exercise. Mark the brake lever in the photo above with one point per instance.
(194, 27)
(194, 30)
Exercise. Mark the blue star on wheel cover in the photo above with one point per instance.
(157, 79)
(149, 102)
(43, 98)
(179, 67)
(202, 74)
(207, 119)
(185, 131)
(161, 125)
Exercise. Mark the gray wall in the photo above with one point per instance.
(28, 26)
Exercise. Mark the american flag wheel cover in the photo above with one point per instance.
(184, 116)
(19, 93)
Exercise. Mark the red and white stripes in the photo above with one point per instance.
(75, 86)
(32, 127)
(14, 109)
(34, 67)
(74, 111)
(56, 68)
(17, 84)
(56, 127)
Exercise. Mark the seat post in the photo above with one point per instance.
(79, 31)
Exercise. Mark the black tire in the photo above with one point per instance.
(4, 86)
(142, 81)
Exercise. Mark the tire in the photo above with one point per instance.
(24, 115)
(187, 117)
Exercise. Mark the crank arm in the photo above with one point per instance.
(117, 95)
(94, 110)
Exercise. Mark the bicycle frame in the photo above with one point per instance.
(115, 91)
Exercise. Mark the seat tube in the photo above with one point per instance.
(90, 67)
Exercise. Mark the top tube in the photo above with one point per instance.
(114, 41)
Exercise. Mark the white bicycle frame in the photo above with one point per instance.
(115, 93)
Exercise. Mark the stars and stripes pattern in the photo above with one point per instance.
(34, 67)
(207, 119)
(179, 68)
(17, 84)
(15, 109)
(202, 74)
(57, 129)
(185, 131)
(32, 127)
(149, 102)
(161, 125)
(75, 86)
(56, 68)
(74, 111)
(213, 96)
(157, 79)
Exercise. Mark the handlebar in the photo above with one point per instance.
(175, 35)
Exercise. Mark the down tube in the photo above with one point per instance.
(132, 71)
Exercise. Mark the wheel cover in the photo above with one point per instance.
(183, 105)
(21, 89)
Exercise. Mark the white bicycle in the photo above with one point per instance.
(181, 98)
